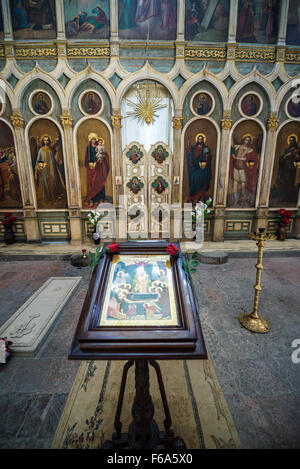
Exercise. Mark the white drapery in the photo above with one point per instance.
(160, 131)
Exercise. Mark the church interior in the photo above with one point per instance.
(129, 105)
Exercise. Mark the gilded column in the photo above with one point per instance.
(72, 180)
(261, 220)
(116, 120)
(26, 180)
(177, 126)
(220, 202)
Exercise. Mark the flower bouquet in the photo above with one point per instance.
(94, 218)
(284, 219)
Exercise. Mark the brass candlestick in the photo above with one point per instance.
(253, 322)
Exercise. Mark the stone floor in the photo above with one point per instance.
(256, 373)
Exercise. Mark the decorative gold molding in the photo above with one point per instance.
(226, 122)
(231, 49)
(177, 122)
(292, 56)
(2, 51)
(17, 120)
(280, 54)
(273, 123)
(61, 50)
(66, 120)
(257, 55)
(41, 52)
(88, 52)
(116, 121)
(205, 53)
(9, 50)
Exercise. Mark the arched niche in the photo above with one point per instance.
(10, 192)
(285, 181)
(77, 97)
(200, 150)
(203, 88)
(133, 106)
(257, 98)
(93, 144)
(47, 158)
(31, 95)
(246, 150)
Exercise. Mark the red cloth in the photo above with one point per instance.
(96, 178)
(251, 174)
(101, 18)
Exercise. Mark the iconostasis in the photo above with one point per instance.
(165, 102)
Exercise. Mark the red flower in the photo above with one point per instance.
(12, 219)
(5, 222)
(288, 214)
(114, 247)
(7, 215)
(172, 250)
(286, 221)
(281, 212)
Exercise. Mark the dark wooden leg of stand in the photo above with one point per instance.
(167, 421)
(118, 423)
(143, 431)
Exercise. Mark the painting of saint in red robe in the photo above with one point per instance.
(243, 171)
(97, 169)
(258, 21)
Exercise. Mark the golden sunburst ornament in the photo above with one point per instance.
(148, 103)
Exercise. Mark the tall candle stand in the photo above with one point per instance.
(253, 322)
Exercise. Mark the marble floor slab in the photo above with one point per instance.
(28, 326)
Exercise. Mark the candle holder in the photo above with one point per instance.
(253, 322)
(250, 164)
(202, 164)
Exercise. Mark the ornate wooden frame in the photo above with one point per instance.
(184, 341)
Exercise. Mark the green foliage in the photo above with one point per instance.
(206, 210)
(94, 258)
(190, 265)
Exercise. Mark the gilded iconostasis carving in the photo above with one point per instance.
(163, 101)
